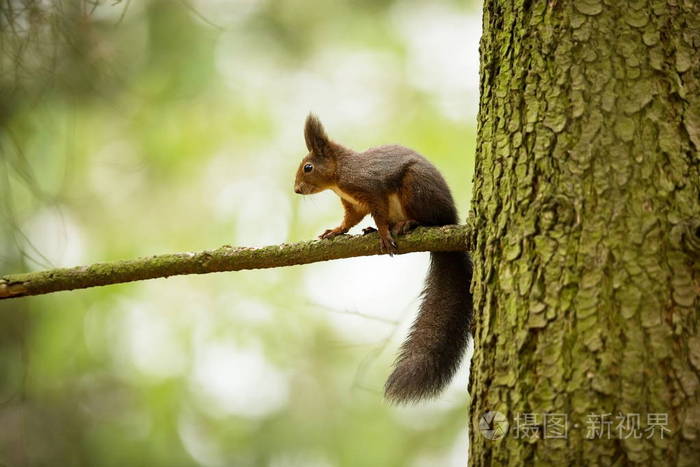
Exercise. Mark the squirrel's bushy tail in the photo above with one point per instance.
(434, 348)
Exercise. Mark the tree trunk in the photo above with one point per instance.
(586, 210)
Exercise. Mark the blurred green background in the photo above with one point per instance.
(135, 128)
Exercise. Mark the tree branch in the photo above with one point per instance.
(226, 258)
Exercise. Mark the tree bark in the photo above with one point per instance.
(226, 258)
(586, 218)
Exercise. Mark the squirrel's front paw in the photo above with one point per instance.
(330, 233)
(388, 245)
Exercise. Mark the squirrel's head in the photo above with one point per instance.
(317, 170)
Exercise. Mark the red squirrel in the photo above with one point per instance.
(401, 190)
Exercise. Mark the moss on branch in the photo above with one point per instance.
(226, 258)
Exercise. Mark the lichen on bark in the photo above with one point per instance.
(226, 258)
(586, 279)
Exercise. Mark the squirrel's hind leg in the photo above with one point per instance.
(404, 226)
(386, 241)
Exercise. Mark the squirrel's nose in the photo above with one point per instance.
(297, 189)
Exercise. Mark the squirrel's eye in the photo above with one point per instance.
(308, 168)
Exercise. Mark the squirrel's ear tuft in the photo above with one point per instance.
(316, 138)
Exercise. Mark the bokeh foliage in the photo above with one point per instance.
(137, 128)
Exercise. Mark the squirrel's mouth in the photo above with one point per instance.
(305, 189)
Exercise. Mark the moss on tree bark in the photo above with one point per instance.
(586, 208)
(226, 258)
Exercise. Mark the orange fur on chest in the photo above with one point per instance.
(396, 211)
